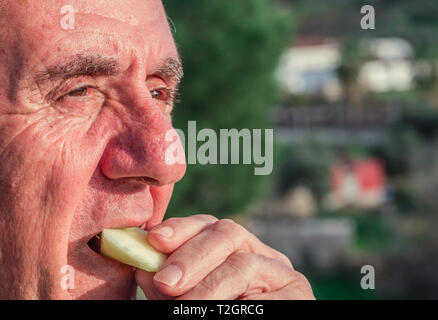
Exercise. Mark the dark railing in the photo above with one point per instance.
(336, 116)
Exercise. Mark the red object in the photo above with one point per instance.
(369, 174)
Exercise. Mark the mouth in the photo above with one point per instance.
(94, 243)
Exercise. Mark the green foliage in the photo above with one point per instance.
(411, 139)
(414, 20)
(340, 286)
(306, 164)
(352, 59)
(410, 156)
(373, 233)
(230, 50)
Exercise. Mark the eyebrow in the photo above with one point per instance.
(95, 65)
(171, 70)
(79, 65)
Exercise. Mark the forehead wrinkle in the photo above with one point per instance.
(131, 20)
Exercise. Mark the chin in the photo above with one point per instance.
(97, 277)
(125, 290)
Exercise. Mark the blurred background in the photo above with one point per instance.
(355, 118)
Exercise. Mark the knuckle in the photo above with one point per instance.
(301, 278)
(283, 258)
(208, 285)
(238, 237)
(301, 284)
(197, 251)
(242, 266)
(206, 217)
(242, 260)
(230, 233)
(229, 226)
(172, 221)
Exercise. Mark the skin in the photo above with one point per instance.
(82, 154)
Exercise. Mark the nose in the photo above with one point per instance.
(148, 149)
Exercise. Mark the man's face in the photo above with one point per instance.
(83, 118)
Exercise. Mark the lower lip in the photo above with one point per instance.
(94, 249)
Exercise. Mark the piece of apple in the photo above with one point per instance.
(130, 246)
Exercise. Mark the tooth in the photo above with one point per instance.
(130, 246)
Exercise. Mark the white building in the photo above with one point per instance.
(390, 67)
(309, 67)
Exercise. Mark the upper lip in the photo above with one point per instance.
(119, 223)
(126, 223)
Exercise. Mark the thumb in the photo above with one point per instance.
(146, 282)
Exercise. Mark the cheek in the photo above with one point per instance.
(161, 197)
(54, 157)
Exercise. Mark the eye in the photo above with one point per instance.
(80, 92)
(83, 91)
(162, 94)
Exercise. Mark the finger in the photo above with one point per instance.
(174, 232)
(145, 281)
(298, 289)
(199, 256)
(242, 274)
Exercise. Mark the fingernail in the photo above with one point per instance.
(170, 275)
(165, 232)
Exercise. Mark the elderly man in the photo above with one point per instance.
(83, 115)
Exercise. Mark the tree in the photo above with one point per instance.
(229, 50)
(349, 71)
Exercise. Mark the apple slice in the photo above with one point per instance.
(130, 246)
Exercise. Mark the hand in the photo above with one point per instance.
(218, 260)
